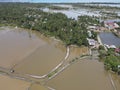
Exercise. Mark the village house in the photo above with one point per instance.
(111, 25)
(96, 28)
(93, 43)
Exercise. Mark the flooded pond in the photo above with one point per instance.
(8, 83)
(109, 38)
(77, 52)
(28, 52)
(15, 45)
(37, 87)
(83, 75)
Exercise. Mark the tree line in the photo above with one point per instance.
(29, 16)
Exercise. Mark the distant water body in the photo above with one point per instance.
(71, 13)
(110, 5)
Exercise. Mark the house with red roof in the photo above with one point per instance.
(111, 25)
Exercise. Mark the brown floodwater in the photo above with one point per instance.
(77, 52)
(38, 87)
(83, 75)
(43, 60)
(116, 79)
(29, 52)
(8, 83)
(15, 45)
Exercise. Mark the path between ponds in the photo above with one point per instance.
(40, 77)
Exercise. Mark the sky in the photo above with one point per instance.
(57, 1)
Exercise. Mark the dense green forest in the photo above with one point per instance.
(30, 16)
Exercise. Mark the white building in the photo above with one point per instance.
(91, 42)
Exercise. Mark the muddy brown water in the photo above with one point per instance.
(77, 52)
(28, 52)
(8, 83)
(83, 75)
(15, 45)
(116, 79)
(43, 60)
(38, 87)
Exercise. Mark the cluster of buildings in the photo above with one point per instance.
(107, 26)
(111, 24)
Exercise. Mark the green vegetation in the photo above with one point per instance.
(87, 20)
(52, 73)
(118, 23)
(78, 58)
(30, 16)
(111, 60)
(58, 25)
(94, 35)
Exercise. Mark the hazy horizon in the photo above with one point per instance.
(62, 1)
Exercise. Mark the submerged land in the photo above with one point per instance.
(60, 46)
